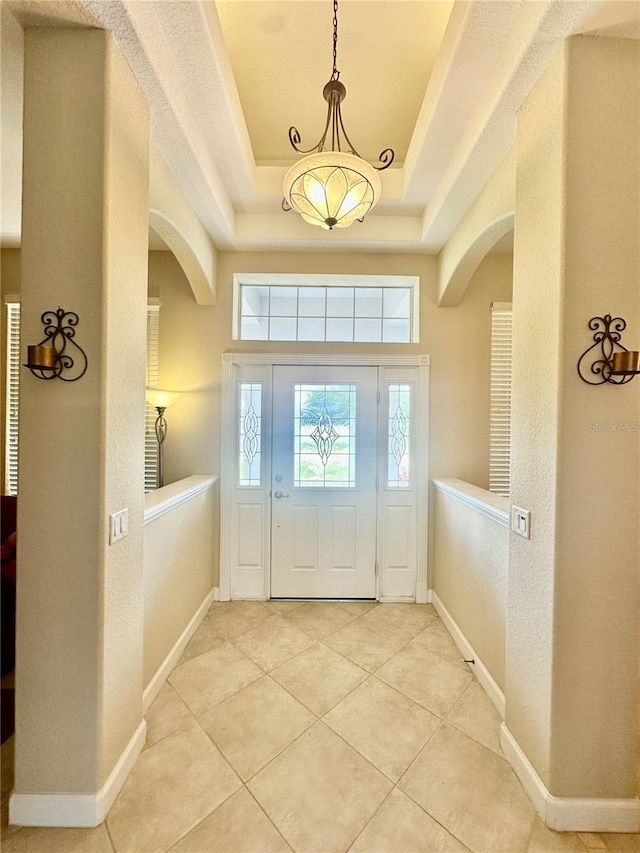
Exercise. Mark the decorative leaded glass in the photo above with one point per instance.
(325, 435)
(250, 433)
(398, 436)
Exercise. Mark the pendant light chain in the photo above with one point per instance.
(335, 73)
(337, 187)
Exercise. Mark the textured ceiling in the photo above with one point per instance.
(440, 82)
(281, 56)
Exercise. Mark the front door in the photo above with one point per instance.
(323, 482)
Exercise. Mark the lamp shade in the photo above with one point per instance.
(161, 399)
(332, 189)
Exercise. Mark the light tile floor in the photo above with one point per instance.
(317, 727)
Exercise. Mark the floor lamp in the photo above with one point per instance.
(161, 400)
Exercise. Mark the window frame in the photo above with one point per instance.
(412, 283)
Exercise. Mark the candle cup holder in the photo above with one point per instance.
(58, 356)
(607, 360)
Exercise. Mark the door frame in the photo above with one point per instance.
(254, 580)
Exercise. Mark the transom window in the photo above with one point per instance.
(352, 309)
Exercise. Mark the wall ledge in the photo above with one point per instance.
(169, 497)
(495, 507)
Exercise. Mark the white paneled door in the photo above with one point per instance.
(323, 482)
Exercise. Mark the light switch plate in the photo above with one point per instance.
(118, 525)
(521, 522)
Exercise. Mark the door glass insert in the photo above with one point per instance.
(324, 436)
(250, 433)
(398, 436)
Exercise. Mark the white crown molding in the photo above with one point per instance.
(491, 56)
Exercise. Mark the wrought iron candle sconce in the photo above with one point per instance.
(606, 358)
(58, 356)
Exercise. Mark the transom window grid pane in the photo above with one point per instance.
(500, 403)
(250, 434)
(398, 436)
(324, 423)
(152, 380)
(343, 314)
(13, 397)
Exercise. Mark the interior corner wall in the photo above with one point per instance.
(193, 338)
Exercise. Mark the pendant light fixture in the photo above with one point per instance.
(332, 188)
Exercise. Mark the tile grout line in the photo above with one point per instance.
(250, 793)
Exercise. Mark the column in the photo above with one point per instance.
(572, 625)
(79, 721)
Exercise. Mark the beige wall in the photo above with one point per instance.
(573, 587)
(84, 247)
(178, 571)
(471, 558)
(192, 339)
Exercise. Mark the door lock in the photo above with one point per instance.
(280, 495)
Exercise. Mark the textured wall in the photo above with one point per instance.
(178, 573)
(573, 587)
(85, 203)
(192, 339)
(488, 219)
(471, 555)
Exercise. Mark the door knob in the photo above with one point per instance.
(280, 494)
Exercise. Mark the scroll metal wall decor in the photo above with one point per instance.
(58, 356)
(607, 360)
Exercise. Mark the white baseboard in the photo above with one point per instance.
(566, 814)
(162, 673)
(78, 810)
(468, 653)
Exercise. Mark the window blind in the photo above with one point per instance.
(13, 394)
(500, 422)
(13, 398)
(152, 381)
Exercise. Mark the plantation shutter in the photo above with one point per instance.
(500, 424)
(13, 397)
(152, 381)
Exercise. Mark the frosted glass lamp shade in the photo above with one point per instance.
(332, 189)
(161, 399)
